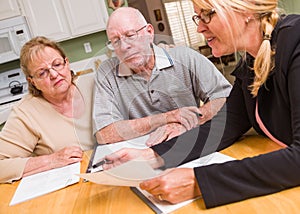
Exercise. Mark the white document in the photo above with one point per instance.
(215, 157)
(165, 207)
(103, 150)
(45, 182)
(131, 173)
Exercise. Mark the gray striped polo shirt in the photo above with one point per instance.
(181, 77)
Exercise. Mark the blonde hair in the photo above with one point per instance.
(30, 51)
(267, 12)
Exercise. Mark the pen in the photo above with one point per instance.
(99, 163)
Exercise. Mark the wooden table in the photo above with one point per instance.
(93, 198)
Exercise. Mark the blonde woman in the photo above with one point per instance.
(265, 96)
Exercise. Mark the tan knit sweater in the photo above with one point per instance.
(34, 128)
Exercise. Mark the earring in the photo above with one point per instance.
(248, 19)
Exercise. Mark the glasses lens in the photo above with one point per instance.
(109, 45)
(58, 64)
(196, 19)
(205, 17)
(42, 74)
(130, 36)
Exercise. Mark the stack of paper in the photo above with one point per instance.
(45, 182)
(132, 173)
(165, 207)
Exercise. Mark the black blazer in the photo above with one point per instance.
(279, 109)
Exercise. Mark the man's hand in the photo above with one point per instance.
(165, 133)
(187, 116)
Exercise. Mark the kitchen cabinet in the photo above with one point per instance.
(64, 19)
(9, 8)
(86, 15)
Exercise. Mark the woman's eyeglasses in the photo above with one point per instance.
(204, 16)
(129, 37)
(57, 65)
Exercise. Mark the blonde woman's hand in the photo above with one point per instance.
(210, 109)
(173, 185)
(127, 154)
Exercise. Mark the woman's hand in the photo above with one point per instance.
(126, 154)
(165, 133)
(210, 109)
(174, 185)
(63, 157)
(66, 156)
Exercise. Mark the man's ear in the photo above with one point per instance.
(150, 28)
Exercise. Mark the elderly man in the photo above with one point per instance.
(146, 87)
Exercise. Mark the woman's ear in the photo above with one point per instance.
(30, 81)
(248, 17)
(67, 62)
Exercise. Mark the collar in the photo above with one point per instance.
(162, 60)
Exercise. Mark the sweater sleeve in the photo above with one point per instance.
(12, 169)
(17, 143)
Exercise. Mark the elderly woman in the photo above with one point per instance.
(265, 96)
(42, 131)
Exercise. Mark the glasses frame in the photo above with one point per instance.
(204, 16)
(127, 39)
(47, 70)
